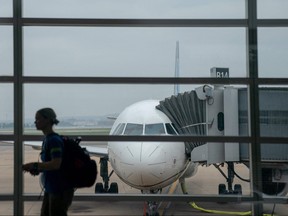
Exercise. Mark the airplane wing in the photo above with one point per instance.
(37, 145)
(93, 150)
(97, 151)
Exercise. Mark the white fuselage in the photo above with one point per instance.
(146, 165)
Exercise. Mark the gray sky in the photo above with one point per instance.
(105, 51)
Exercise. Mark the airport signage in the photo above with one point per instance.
(219, 72)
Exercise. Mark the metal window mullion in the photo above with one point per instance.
(272, 22)
(255, 148)
(18, 107)
(134, 22)
(6, 21)
(167, 197)
(134, 80)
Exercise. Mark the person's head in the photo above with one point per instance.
(45, 118)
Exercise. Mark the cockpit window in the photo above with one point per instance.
(133, 129)
(154, 129)
(119, 129)
(170, 129)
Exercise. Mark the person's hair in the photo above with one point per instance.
(49, 113)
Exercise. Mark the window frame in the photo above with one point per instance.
(252, 81)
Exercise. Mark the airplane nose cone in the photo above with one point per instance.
(146, 164)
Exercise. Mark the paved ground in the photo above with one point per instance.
(204, 182)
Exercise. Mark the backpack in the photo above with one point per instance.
(77, 168)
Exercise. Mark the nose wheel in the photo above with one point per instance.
(99, 188)
(104, 187)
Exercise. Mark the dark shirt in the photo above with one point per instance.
(52, 147)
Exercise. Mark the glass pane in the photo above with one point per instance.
(97, 106)
(135, 9)
(86, 106)
(6, 168)
(6, 208)
(273, 52)
(273, 170)
(137, 52)
(6, 50)
(6, 109)
(32, 184)
(272, 9)
(273, 109)
(274, 177)
(6, 8)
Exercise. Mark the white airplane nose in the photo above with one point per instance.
(147, 164)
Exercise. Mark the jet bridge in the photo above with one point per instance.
(223, 111)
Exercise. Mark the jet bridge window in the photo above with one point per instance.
(154, 129)
(119, 129)
(133, 129)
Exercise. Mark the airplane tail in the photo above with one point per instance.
(176, 85)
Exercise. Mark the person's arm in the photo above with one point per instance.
(54, 164)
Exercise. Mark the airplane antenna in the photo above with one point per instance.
(176, 85)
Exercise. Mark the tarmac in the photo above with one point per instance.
(205, 182)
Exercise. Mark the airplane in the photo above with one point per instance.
(147, 166)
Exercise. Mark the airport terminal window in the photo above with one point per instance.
(6, 104)
(6, 50)
(153, 129)
(92, 100)
(136, 9)
(277, 9)
(6, 146)
(137, 52)
(220, 39)
(5, 8)
(6, 167)
(273, 50)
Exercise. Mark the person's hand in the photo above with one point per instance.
(31, 168)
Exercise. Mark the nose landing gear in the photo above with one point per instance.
(104, 187)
